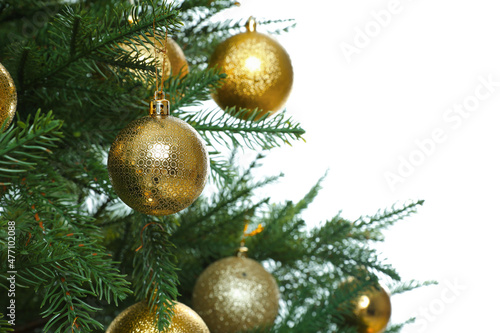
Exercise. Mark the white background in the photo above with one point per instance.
(366, 112)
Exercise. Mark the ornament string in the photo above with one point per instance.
(142, 231)
(163, 51)
(165, 55)
(154, 50)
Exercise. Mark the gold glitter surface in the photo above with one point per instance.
(235, 294)
(175, 63)
(8, 97)
(259, 72)
(138, 319)
(158, 165)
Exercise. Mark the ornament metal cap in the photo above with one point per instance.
(242, 252)
(159, 106)
(251, 24)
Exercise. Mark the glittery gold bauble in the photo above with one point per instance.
(259, 72)
(158, 164)
(138, 319)
(372, 309)
(175, 61)
(8, 97)
(236, 294)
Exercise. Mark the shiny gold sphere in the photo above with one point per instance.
(175, 61)
(236, 294)
(8, 97)
(372, 309)
(259, 72)
(138, 319)
(158, 165)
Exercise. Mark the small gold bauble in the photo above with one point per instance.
(259, 72)
(137, 318)
(236, 294)
(8, 97)
(175, 61)
(158, 164)
(372, 309)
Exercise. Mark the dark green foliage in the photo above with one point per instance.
(4, 325)
(82, 256)
(22, 146)
(156, 280)
(59, 252)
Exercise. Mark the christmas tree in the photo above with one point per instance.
(74, 256)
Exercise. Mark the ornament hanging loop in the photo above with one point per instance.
(159, 107)
(242, 251)
(251, 24)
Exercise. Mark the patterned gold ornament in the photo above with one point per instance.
(158, 164)
(259, 72)
(138, 319)
(8, 97)
(372, 309)
(236, 294)
(175, 61)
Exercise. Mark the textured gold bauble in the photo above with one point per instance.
(372, 309)
(138, 319)
(158, 165)
(236, 294)
(259, 72)
(175, 61)
(8, 97)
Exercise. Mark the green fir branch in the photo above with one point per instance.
(193, 89)
(24, 145)
(64, 299)
(371, 227)
(279, 221)
(396, 328)
(195, 40)
(387, 217)
(265, 133)
(282, 25)
(100, 36)
(94, 94)
(155, 273)
(14, 10)
(405, 286)
(234, 192)
(5, 327)
(62, 256)
(195, 6)
(221, 170)
(310, 196)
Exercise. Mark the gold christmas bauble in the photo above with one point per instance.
(158, 164)
(175, 61)
(259, 72)
(8, 97)
(236, 294)
(137, 318)
(372, 309)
